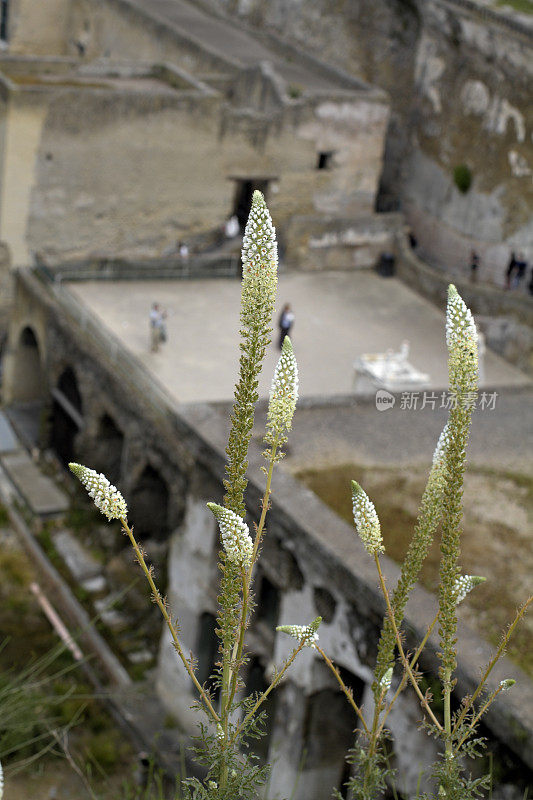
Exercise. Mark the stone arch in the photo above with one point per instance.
(108, 448)
(28, 377)
(149, 502)
(328, 735)
(67, 415)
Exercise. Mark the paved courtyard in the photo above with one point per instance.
(338, 316)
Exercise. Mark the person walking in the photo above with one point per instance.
(285, 323)
(158, 331)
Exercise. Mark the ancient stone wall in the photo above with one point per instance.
(312, 563)
(459, 80)
(38, 28)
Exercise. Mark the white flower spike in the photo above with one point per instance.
(284, 391)
(366, 521)
(259, 246)
(236, 539)
(440, 449)
(464, 584)
(107, 497)
(461, 340)
(386, 681)
(309, 633)
(506, 684)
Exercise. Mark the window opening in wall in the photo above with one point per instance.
(268, 603)
(208, 651)
(149, 505)
(4, 7)
(256, 682)
(325, 159)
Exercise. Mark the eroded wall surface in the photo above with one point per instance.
(460, 88)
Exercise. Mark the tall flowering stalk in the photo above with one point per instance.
(230, 775)
(461, 340)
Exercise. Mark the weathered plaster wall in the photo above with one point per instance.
(24, 116)
(39, 28)
(90, 171)
(460, 88)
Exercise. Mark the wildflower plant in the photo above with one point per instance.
(231, 772)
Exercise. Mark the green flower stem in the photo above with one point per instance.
(477, 717)
(403, 657)
(344, 688)
(492, 663)
(247, 580)
(156, 596)
(260, 700)
(403, 681)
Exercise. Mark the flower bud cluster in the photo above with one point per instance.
(259, 246)
(440, 449)
(307, 633)
(284, 391)
(464, 584)
(259, 266)
(461, 340)
(385, 682)
(366, 521)
(236, 539)
(107, 497)
(506, 684)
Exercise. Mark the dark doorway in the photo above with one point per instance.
(244, 190)
(208, 652)
(108, 449)
(4, 19)
(149, 505)
(66, 416)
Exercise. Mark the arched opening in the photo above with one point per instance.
(149, 505)
(108, 448)
(28, 378)
(329, 734)
(67, 418)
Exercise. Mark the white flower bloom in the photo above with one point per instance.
(107, 497)
(464, 584)
(440, 449)
(236, 539)
(504, 685)
(259, 246)
(461, 339)
(284, 391)
(460, 323)
(309, 633)
(366, 521)
(386, 681)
